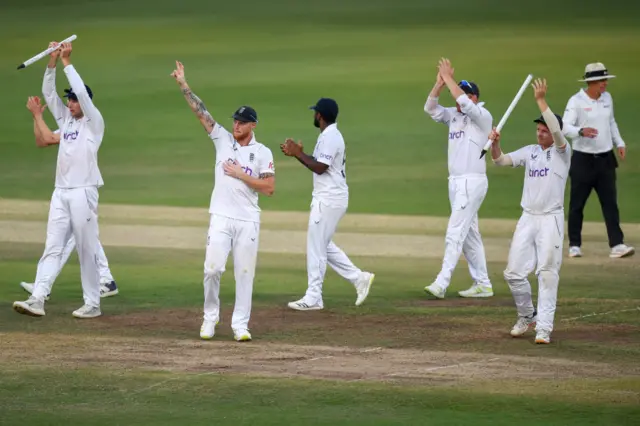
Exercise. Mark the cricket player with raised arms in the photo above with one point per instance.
(330, 199)
(74, 203)
(469, 127)
(244, 168)
(45, 137)
(539, 235)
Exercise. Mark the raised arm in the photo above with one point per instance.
(432, 107)
(44, 136)
(540, 92)
(197, 106)
(89, 110)
(499, 159)
(477, 114)
(58, 109)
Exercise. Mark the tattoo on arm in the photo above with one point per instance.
(198, 107)
(266, 175)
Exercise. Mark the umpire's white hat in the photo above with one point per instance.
(595, 72)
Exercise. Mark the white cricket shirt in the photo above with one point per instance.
(582, 111)
(468, 133)
(545, 177)
(331, 186)
(231, 197)
(80, 139)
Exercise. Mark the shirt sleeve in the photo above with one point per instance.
(328, 149)
(95, 120)
(559, 141)
(569, 121)
(436, 111)
(616, 138)
(58, 109)
(266, 163)
(219, 135)
(519, 157)
(479, 115)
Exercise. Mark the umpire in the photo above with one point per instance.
(589, 122)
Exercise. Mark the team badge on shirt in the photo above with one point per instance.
(251, 157)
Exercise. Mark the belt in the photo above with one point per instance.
(595, 155)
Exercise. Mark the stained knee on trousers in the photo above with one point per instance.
(547, 279)
(513, 276)
(213, 269)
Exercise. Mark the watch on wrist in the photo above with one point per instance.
(581, 132)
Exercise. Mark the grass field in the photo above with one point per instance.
(399, 358)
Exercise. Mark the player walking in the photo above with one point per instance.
(244, 168)
(539, 235)
(74, 204)
(469, 127)
(330, 199)
(45, 137)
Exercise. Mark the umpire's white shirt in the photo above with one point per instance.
(80, 139)
(231, 197)
(545, 177)
(331, 186)
(583, 111)
(468, 132)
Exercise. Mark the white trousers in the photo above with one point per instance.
(103, 264)
(323, 222)
(241, 238)
(537, 243)
(71, 212)
(466, 195)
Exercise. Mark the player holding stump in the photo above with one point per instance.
(469, 127)
(539, 234)
(244, 168)
(74, 204)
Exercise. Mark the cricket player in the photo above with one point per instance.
(74, 204)
(469, 127)
(244, 168)
(108, 285)
(590, 123)
(539, 235)
(330, 199)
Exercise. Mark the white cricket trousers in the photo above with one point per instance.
(323, 222)
(466, 194)
(72, 212)
(537, 242)
(241, 238)
(103, 264)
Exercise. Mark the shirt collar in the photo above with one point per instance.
(251, 142)
(330, 126)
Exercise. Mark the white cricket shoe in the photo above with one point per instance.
(208, 329)
(543, 337)
(242, 335)
(108, 288)
(32, 307)
(435, 290)
(28, 287)
(301, 305)
(363, 285)
(522, 325)
(477, 290)
(87, 311)
(621, 250)
(574, 251)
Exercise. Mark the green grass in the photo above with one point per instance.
(202, 399)
(376, 58)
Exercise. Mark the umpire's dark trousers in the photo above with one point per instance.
(594, 171)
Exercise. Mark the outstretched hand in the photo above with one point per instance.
(445, 69)
(34, 105)
(539, 88)
(178, 73)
